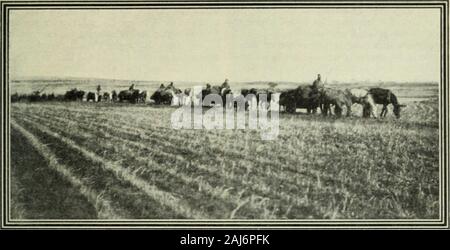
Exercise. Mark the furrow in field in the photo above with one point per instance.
(216, 152)
(181, 137)
(171, 145)
(124, 197)
(282, 155)
(340, 176)
(364, 168)
(151, 117)
(103, 207)
(177, 138)
(203, 184)
(263, 165)
(314, 175)
(285, 178)
(165, 198)
(279, 193)
(260, 188)
(158, 140)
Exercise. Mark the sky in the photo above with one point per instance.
(241, 45)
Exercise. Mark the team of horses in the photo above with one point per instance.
(325, 98)
(130, 95)
(303, 97)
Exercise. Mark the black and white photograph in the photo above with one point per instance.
(202, 114)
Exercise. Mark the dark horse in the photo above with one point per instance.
(259, 93)
(221, 90)
(246, 94)
(386, 97)
(301, 97)
(74, 95)
(91, 96)
(161, 96)
(129, 95)
(165, 95)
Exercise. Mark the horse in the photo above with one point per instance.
(129, 95)
(91, 96)
(142, 96)
(166, 95)
(300, 97)
(363, 97)
(177, 98)
(217, 90)
(336, 97)
(386, 97)
(74, 95)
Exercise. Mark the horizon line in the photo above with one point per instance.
(30, 78)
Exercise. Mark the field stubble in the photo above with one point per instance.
(317, 168)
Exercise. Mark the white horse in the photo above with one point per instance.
(189, 97)
(274, 102)
(176, 98)
(253, 103)
(363, 97)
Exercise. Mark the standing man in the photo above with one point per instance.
(114, 96)
(131, 87)
(316, 91)
(318, 84)
(225, 84)
(98, 97)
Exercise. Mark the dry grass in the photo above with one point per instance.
(103, 208)
(318, 168)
